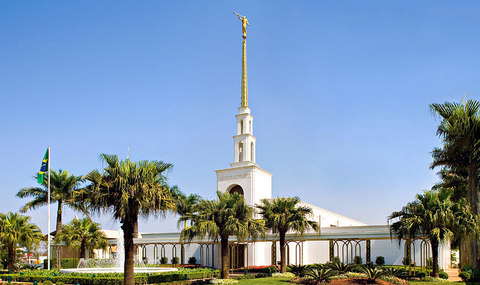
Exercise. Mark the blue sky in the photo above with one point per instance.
(339, 91)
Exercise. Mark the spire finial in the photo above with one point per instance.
(244, 60)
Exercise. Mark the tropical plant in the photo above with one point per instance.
(372, 273)
(298, 270)
(16, 230)
(129, 189)
(227, 216)
(434, 216)
(185, 204)
(282, 215)
(341, 267)
(320, 275)
(460, 134)
(63, 189)
(82, 234)
(394, 272)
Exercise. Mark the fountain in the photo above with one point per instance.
(114, 265)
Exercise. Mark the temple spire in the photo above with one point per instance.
(244, 60)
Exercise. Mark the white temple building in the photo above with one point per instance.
(339, 236)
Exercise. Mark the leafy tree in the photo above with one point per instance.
(282, 215)
(128, 189)
(16, 230)
(63, 187)
(83, 234)
(227, 216)
(434, 216)
(460, 134)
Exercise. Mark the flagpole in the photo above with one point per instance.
(48, 206)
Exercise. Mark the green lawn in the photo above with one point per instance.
(284, 281)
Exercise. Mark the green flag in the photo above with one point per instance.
(44, 168)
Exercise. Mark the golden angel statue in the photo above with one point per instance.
(244, 24)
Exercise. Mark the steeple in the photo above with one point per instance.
(244, 141)
(244, 74)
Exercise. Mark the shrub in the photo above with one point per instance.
(192, 260)
(59, 283)
(175, 260)
(321, 275)
(298, 270)
(395, 272)
(335, 259)
(443, 275)
(406, 261)
(380, 260)
(357, 260)
(164, 260)
(464, 275)
(69, 262)
(372, 273)
(341, 268)
(422, 274)
(47, 282)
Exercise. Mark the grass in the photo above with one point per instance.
(284, 281)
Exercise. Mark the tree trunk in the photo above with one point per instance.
(465, 253)
(83, 249)
(59, 217)
(434, 244)
(11, 257)
(128, 229)
(225, 265)
(135, 230)
(472, 246)
(283, 256)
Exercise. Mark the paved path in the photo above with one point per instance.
(453, 274)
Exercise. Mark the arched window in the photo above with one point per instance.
(236, 189)
(240, 151)
(252, 152)
(241, 127)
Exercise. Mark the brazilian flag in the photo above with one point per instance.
(44, 168)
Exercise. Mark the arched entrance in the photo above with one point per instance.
(236, 189)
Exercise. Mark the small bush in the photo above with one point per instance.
(380, 260)
(59, 283)
(464, 275)
(175, 260)
(47, 282)
(406, 261)
(422, 274)
(335, 259)
(164, 260)
(357, 260)
(443, 275)
(192, 260)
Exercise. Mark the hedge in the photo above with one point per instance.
(142, 279)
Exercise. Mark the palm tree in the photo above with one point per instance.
(62, 187)
(129, 189)
(282, 215)
(83, 234)
(460, 134)
(435, 216)
(186, 205)
(16, 230)
(227, 216)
